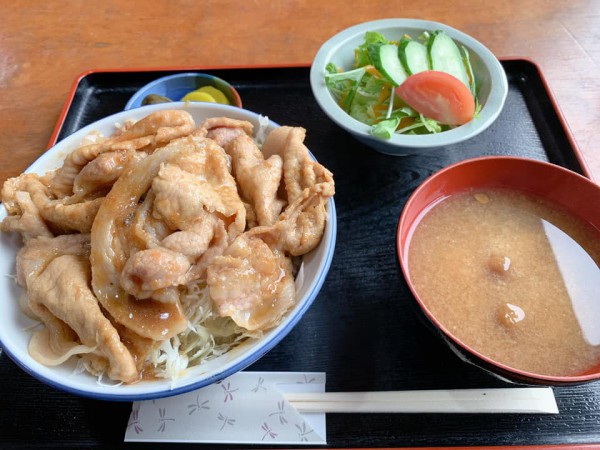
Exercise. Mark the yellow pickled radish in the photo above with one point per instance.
(206, 94)
(218, 95)
(196, 96)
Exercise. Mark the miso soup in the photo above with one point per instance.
(513, 277)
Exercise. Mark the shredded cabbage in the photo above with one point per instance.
(207, 336)
(261, 133)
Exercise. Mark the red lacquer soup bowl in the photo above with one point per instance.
(555, 185)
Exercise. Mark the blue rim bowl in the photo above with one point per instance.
(14, 325)
(176, 86)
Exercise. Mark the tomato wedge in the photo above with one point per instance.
(438, 96)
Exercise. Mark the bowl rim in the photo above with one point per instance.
(269, 340)
(494, 103)
(152, 84)
(401, 253)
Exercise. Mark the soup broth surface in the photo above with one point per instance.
(513, 277)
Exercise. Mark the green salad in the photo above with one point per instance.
(412, 86)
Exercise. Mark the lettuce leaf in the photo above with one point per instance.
(365, 98)
(423, 125)
(343, 85)
(361, 53)
(430, 125)
(386, 128)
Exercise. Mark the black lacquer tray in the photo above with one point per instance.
(362, 329)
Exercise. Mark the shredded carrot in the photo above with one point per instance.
(384, 95)
(406, 121)
(373, 71)
(380, 110)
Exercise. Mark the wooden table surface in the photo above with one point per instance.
(45, 45)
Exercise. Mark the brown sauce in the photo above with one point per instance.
(513, 277)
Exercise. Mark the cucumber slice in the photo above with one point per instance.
(385, 59)
(445, 56)
(413, 56)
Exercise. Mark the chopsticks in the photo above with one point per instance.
(502, 400)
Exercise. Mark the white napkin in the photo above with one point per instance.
(247, 407)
